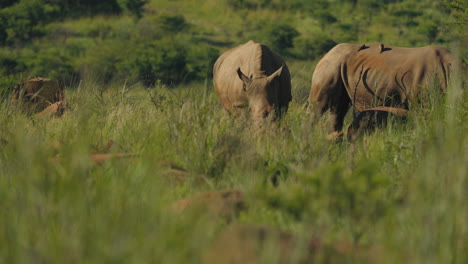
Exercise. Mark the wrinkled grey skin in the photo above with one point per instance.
(252, 77)
(376, 75)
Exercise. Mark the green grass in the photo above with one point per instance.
(401, 190)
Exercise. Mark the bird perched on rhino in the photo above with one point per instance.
(252, 77)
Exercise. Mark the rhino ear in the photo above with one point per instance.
(275, 74)
(246, 80)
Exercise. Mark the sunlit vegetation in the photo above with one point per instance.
(139, 73)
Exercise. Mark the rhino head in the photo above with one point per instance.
(262, 93)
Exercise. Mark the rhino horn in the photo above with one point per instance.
(275, 74)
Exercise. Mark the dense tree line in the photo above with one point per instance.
(118, 40)
(22, 20)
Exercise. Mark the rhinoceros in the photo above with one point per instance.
(376, 77)
(252, 76)
(41, 95)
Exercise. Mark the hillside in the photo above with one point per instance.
(138, 41)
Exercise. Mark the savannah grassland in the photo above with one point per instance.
(399, 192)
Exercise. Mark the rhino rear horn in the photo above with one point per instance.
(275, 74)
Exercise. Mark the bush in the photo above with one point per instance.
(77, 8)
(313, 48)
(164, 61)
(349, 32)
(171, 24)
(25, 20)
(50, 63)
(280, 37)
(7, 3)
(200, 62)
(20, 21)
(248, 4)
(325, 18)
(430, 31)
(105, 62)
(8, 64)
(133, 7)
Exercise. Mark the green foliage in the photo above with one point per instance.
(280, 37)
(248, 4)
(134, 7)
(8, 64)
(167, 63)
(171, 24)
(49, 62)
(106, 48)
(460, 22)
(325, 18)
(6, 85)
(25, 20)
(89, 7)
(400, 189)
(7, 3)
(430, 31)
(313, 48)
(200, 61)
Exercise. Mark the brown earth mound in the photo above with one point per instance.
(38, 94)
(226, 204)
(101, 158)
(250, 244)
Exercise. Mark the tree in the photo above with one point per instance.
(281, 37)
(460, 15)
(133, 7)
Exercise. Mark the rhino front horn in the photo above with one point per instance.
(275, 74)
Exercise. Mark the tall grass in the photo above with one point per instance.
(401, 192)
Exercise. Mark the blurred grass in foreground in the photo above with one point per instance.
(402, 191)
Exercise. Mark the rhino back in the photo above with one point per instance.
(378, 74)
(326, 77)
(384, 74)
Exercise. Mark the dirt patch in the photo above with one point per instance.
(226, 204)
(174, 173)
(100, 158)
(249, 244)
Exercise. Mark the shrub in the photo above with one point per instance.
(50, 63)
(24, 20)
(200, 62)
(172, 24)
(281, 37)
(6, 3)
(159, 61)
(105, 62)
(312, 48)
(248, 4)
(430, 31)
(325, 18)
(88, 7)
(133, 7)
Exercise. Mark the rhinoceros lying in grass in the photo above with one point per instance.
(376, 75)
(40, 95)
(252, 76)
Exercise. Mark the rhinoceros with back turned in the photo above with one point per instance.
(376, 76)
(251, 76)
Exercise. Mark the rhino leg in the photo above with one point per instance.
(366, 121)
(334, 100)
